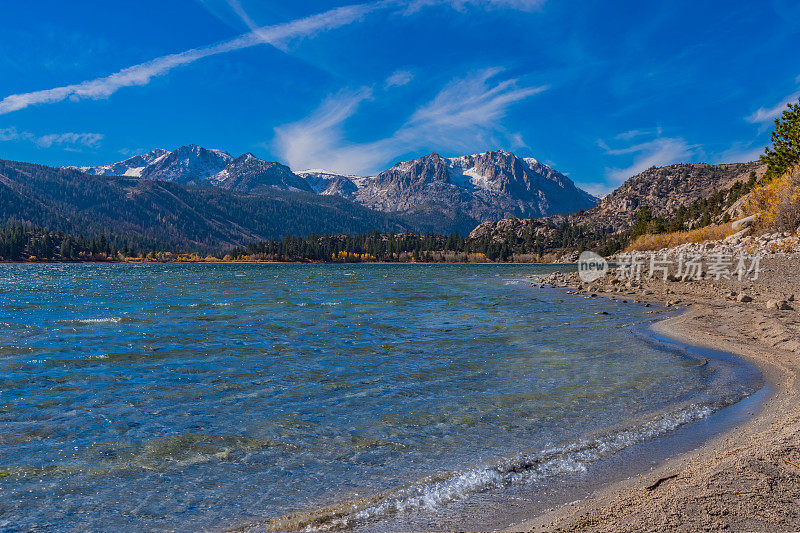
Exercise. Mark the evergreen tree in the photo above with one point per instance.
(785, 151)
(643, 217)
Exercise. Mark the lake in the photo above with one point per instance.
(274, 397)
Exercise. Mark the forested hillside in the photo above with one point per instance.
(153, 214)
(661, 199)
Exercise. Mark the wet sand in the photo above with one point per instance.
(747, 479)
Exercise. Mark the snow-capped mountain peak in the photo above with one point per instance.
(330, 183)
(484, 186)
(249, 174)
(133, 166)
(464, 189)
(188, 164)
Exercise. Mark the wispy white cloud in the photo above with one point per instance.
(90, 140)
(766, 115)
(221, 9)
(398, 79)
(237, 8)
(278, 35)
(739, 152)
(67, 140)
(631, 134)
(467, 114)
(9, 134)
(521, 5)
(595, 189)
(318, 141)
(143, 73)
(657, 152)
(518, 142)
(472, 102)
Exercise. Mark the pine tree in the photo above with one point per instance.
(785, 151)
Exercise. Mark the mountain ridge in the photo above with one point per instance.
(436, 193)
(157, 213)
(252, 199)
(662, 189)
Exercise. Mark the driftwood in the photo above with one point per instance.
(660, 481)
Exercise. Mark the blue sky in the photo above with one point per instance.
(598, 90)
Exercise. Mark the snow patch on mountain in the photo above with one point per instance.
(133, 166)
(134, 172)
(190, 164)
(329, 183)
(476, 187)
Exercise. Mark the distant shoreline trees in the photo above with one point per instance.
(21, 243)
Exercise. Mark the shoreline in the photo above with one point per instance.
(739, 479)
(265, 262)
(677, 441)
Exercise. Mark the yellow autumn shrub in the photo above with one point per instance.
(667, 240)
(776, 203)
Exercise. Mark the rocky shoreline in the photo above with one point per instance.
(744, 480)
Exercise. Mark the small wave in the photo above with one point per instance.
(315, 304)
(432, 492)
(109, 320)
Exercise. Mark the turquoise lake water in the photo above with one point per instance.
(274, 397)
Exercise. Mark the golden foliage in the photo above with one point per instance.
(776, 202)
(351, 257)
(478, 257)
(667, 240)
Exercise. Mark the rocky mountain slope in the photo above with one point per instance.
(467, 190)
(132, 166)
(663, 189)
(186, 165)
(249, 174)
(435, 193)
(330, 183)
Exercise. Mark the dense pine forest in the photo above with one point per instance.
(405, 247)
(20, 243)
(377, 246)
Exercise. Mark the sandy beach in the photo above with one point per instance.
(747, 479)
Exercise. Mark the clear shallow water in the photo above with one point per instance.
(316, 396)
